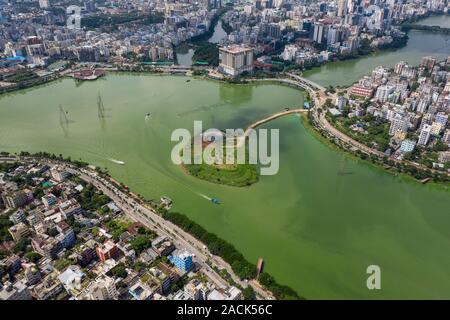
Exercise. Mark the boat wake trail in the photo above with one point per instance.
(204, 196)
(116, 161)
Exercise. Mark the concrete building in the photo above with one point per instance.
(19, 231)
(107, 251)
(425, 134)
(16, 291)
(383, 92)
(234, 60)
(59, 174)
(341, 8)
(441, 118)
(446, 137)
(71, 279)
(140, 291)
(398, 124)
(103, 288)
(17, 199)
(428, 62)
(182, 260)
(48, 288)
(44, 4)
(32, 274)
(407, 145)
(341, 102)
(319, 34)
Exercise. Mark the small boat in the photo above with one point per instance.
(188, 80)
(215, 201)
(147, 116)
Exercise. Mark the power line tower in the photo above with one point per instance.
(63, 118)
(100, 107)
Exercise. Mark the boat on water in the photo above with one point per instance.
(215, 201)
(147, 115)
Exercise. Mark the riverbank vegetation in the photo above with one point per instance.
(27, 80)
(236, 174)
(411, 26)
(112, 21)
(372, 131)
(392, 166)
(206, 52)
(239, 175)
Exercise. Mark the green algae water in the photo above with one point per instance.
(318, 224)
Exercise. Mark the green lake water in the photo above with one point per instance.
(345, 73)
(318, 223)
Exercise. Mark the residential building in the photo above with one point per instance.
(19, 231)
(425, 134)
(407, 145)
(16, 291)
(108, 250)
(234, 60)
(398, 124)
(104, 288)
(182, 260)
(59, 174)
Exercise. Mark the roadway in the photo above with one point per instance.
(149, 218)
(132, 207)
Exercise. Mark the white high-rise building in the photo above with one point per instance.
(44, 4)
(399, 124)
(446, 137)
(383, 92)
(342, 8)
(333, 36)
(235, 60)
(425, 134)
(319, 32)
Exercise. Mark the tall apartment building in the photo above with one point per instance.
(428, 62)
(383, 92)
(320, 31)
(425, 134)
(235, 60)
(399, 124)
(341, 8)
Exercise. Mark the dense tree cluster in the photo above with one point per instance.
(91, 199)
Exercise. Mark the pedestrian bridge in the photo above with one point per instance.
(274, 116)
(296, 81)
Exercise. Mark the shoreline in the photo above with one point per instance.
(274, 81)
(60, 75)
(265, 286)
(335, 147)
